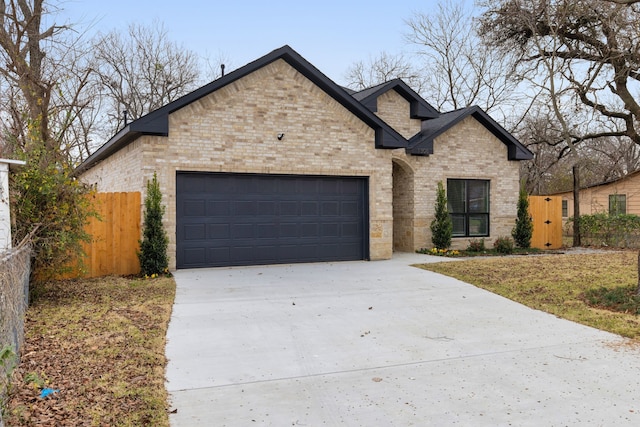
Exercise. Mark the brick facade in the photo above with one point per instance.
(394, 109)
(235, 128)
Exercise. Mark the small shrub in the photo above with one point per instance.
(503, 245)
(153, 247)
(476, 245)
(523, 230)
(441, 226)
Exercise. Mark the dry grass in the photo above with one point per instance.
(101, 343)
(555, 283)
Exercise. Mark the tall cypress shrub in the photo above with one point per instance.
(441, 226)
(523, 229)
(153, 247)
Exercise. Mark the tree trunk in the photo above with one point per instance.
(638, 289)
(576, 207)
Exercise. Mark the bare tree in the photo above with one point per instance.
(584, 57)
(42, 80)
(24, 67)
(44, 76)
(593, 49)
(142, 72)
(459, 69)
(383, 68)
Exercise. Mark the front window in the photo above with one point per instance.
(565, 208)
(617, 204)
(468, 203)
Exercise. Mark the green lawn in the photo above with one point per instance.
(557, 284)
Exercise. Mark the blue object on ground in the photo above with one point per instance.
(46, 392)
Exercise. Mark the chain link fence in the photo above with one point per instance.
(15, 268)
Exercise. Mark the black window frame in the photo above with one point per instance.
(615, 201)
(468, 215)
(565, 208)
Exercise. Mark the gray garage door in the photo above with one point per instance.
(228, 219)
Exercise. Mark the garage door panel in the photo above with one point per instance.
(267, 187)
(329, 188)
(288, 230)
(264, 219)
(194, 207)
(290, 253)
(330, 230)
(286, 186)
(217, 208)
(217, 231)
(309, 208)
(247, 255)
(217, 255)
(352, 229)
(245, 208)
(194, 231)
(267, 207)
(242, 231)
(219, 186)
(309, 230)
(196, 256)
(349, 187)
(349, 208)
(288, 207)
(306, 186)
(266, 231)
(330, 208)
(265, 254)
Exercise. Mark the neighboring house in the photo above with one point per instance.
(275, 163)
(620, 196)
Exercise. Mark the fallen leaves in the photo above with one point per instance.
(100, 344)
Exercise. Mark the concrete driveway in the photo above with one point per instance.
(383, 344)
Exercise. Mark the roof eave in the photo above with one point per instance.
(121, 139)
(420, 145)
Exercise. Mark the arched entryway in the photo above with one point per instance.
(403, 207)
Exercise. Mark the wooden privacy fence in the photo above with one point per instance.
(114, 236)
(546, 212)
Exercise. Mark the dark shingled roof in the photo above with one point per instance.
(422, 143)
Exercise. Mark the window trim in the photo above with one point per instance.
(468, 215)
(565, 208)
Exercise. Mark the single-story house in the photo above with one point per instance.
(619, 196)
(276, 163)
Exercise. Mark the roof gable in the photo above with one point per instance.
(157, 122)
(422, 143)
(419, 108)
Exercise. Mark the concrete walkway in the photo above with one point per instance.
(383, 344)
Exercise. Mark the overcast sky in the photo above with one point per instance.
(331, 34)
